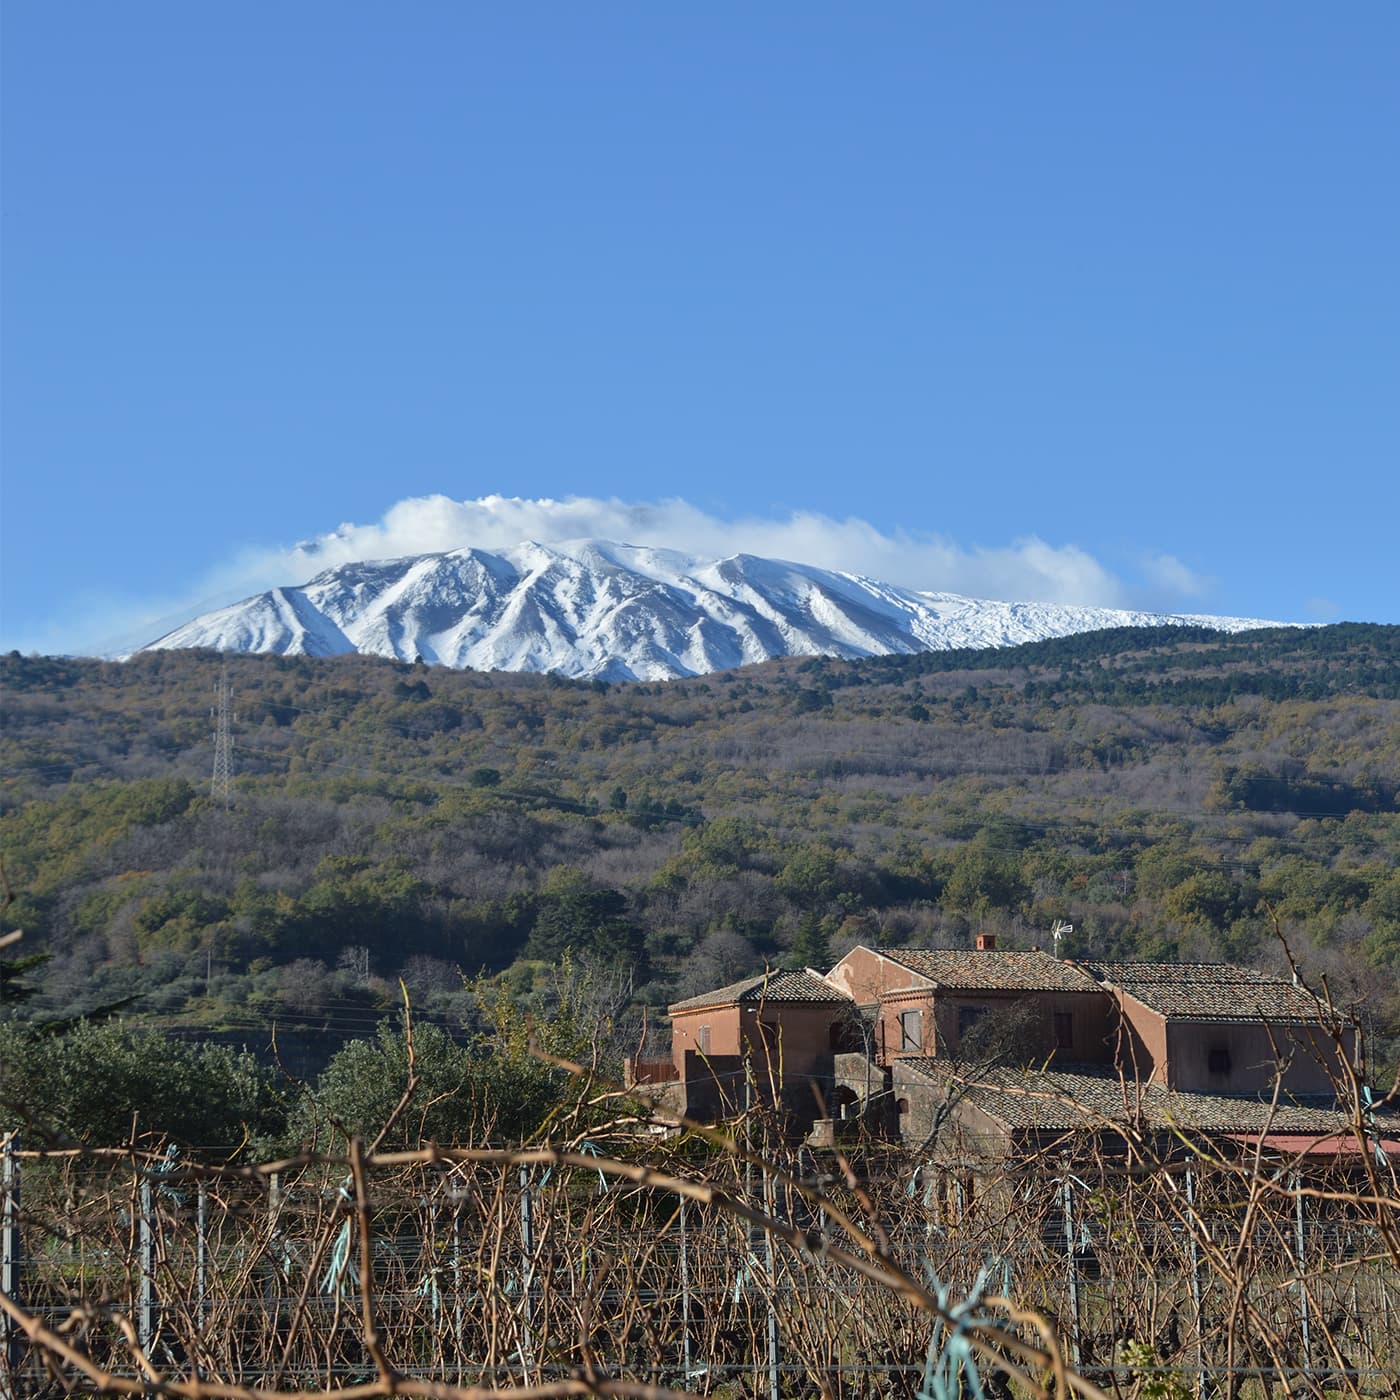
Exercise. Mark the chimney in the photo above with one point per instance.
(986, 942)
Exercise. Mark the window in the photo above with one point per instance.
(702, 1039)
(1064, 1030)
(911, 1031)
(846, 1036)
(968, 1017)
(1218, 1061)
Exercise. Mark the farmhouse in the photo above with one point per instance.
(1214, 1028)
(769, 1038)
(989, 1051)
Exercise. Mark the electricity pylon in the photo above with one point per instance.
(223, 744)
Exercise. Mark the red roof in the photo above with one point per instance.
(1310, 1145)
(773, 986)
(1211, 992)
(992, 969)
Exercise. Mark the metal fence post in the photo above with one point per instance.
(202, 1254)
(201, 1264)
(457, 1277)
(770, 1205)
(1194, 1248)
(11, 1263)
(685, 1301)
(1300, 1251)
(527, 1270)
(268, 1269)
(1067, 1194)
(146, 1262)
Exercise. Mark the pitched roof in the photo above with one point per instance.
(1073, 1098)
(767, 987)
(992, 970)
(1209, 991)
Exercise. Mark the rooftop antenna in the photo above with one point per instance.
(1058, 932)
(223, 743)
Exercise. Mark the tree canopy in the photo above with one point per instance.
(1169, 792)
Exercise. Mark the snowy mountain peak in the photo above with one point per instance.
(595, 608)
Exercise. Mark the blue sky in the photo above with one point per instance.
(1088, 299)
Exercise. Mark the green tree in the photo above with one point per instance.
(365, 1080)
(982, 879)
(812, 946)
(574, 912)
(496, 1084)
(96, 1081)
(1209, 899)
(809, 878)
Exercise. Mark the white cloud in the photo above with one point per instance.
(1323, 610)
(1168, 573)
(1025, 570)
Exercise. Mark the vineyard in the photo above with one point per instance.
(617, 1262)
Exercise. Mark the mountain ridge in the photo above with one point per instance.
(598, 609)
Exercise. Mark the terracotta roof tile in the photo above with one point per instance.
(769, 987)
(1028, 1098)
(1335, 1146)
(1072, 1097)
(992, 970)
(1208, 991)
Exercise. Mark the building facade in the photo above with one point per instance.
(919, 1044)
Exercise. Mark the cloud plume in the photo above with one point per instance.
(1170, 576)
(1028, 569)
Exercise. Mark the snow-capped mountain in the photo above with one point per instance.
(623, 612)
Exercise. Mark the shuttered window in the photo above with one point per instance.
(911, 1030)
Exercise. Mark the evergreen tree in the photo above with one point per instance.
(812, 947)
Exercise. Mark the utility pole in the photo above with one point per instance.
(223, 743)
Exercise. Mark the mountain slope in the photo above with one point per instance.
(624, 612)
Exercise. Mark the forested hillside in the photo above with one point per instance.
(1161, 791)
